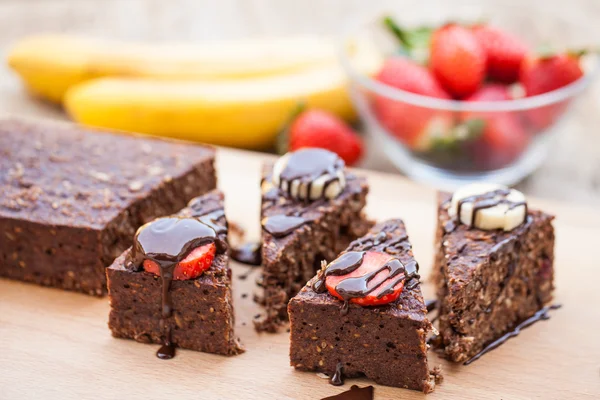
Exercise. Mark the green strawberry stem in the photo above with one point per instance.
(547, 51)
(398, 32)
(474, 128)
(414, 43)
(282, 143)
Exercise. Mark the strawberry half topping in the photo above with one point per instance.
(198, 261)
(372, 278)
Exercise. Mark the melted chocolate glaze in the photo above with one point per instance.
(487, 200)
(167, 241)
(337, 379)
(212, 219)
(282, 225)
(248, 253)
(307, 165)
(541, 315)
(355, 393)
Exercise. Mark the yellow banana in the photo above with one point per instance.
(51, 64)
(244, 113)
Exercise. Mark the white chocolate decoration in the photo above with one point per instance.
(489, 206)
(310, 174)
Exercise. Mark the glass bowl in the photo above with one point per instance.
(431, 139)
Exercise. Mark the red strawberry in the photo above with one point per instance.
(317, 128)
(504, 52)
(198, 261)
(414, 125)
(372, 261)
(543, 74)
(457, 60)
(491, 92)
(504, 138)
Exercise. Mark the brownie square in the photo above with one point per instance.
(385, 343)
(289, 261)
(489, 281)
(72, 198)
(203, 317)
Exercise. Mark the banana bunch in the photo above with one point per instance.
(227, 93)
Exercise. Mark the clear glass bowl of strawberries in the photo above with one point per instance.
(480, 100)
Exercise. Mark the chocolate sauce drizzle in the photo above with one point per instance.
(307, 165)
(358, 287)
(487, 200)
(282, 225)
(540, 315)
(355, 393)
(248, 253)
(167, 350)
(212, 219)
(368, 242)
(167, 241)
(337, 379)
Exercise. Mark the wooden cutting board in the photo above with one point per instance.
(56, 345)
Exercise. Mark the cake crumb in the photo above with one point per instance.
(437, 374)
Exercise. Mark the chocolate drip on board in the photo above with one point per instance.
(540, 315)
(166, 242)
(486, 200)
(355, 393)
(308, 165)
(247, 253)
(337, 379)
(167, 350)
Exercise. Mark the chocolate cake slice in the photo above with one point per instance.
(311, 210)
(336, 335)
(71, 198)
(489, 279)
(195, 314)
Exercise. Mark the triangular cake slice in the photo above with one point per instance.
(201, 308)
(489, 280)
(300, 231)
(386, 343)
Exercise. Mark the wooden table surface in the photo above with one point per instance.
(572, 171)
(56, 345)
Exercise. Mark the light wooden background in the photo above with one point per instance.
(571, 173)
